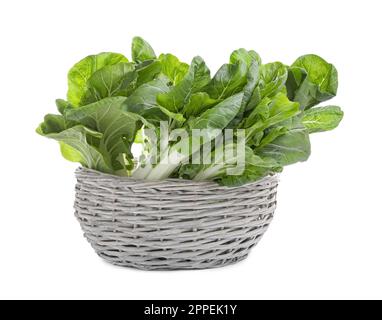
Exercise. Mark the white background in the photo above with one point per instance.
(326, 238)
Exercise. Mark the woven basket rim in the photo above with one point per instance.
(179, 181)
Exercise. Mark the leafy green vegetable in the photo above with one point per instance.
(252, 82)
(198, 103)
(70, 154)
(322, 118)
(252, 118)
(291, 147)
(179, 95)
(219, 116)
(248, 57)
(271, 112)
(255, 169)
(63, 105)
(147, 71)
(272, 78)
(118, 128)
(249, 92)
(173, 68)
(141, 50)
(229, 80)
(212, 122)
(74, 143)
(83, 70)
(110, 81)
(143, 101)
(312, 80)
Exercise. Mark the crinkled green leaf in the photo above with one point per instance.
(255, 139)
(141, 50)
(312, 80)
(321, 119)
(196, 78)
(111, 81)
(74, 142)
(271, 135)
(296, 77)
(259, 114)
(254, 100)
(273, 111)
(143, 101)
(248, 92)
(319, 72)
(71, 154)
(172, 68)
(252, 82)
(253, 62)
(248, 57)
(198, 103)
(281, 109)
(229, 80)
(220, 115)
(147, 71)
(52, 124)
(289, 148)
(63, 105)
(80, 73)
(272, 78)
(118, 127)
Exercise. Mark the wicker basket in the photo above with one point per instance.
(172, 224)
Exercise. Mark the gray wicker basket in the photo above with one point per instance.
(172, 224)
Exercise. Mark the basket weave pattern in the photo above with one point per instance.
(172, 224)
